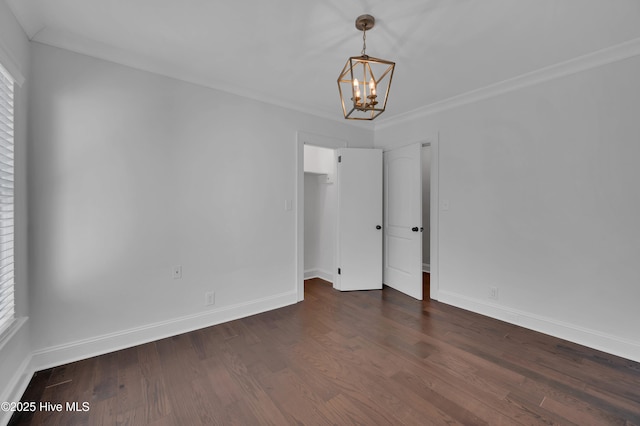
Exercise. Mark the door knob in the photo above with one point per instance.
(414, 229)
(378, 227)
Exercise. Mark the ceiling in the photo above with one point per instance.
(290, 52)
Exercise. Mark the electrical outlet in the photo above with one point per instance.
(210, 298)
(177, 272)
(493, 293)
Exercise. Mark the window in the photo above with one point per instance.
(7, 311)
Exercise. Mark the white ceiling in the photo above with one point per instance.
(289, 52)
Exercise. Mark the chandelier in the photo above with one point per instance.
(367, 98)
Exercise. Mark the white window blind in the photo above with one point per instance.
(7, 312)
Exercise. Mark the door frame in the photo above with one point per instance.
(434, 208)
(323, 141)
(335, 143)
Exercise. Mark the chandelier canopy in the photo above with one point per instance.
(365, 99)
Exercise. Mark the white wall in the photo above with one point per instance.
(426, 204)
(320, 209)
(311, 220)
(319, 160)
(15, 351)
(320, 204)
(544, 204)
(133, 173)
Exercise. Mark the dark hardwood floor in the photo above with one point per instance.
(426, 285)
(369, 357)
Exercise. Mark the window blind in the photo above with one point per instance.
(7, 310)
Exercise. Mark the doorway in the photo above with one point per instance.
(342, 222)
(320, 141)
(320, 198)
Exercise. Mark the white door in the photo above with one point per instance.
(359, 219)
(403, 220)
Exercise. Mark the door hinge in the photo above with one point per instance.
(339, 271)
(339, 158)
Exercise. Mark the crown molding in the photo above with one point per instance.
(71, 42)
(27, 16)
(74, 43)
(586, 62)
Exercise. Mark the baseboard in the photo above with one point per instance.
(426, 267)
(16, 387)
(86, 348)
(15, 350)
(318, 273)
(583, 336)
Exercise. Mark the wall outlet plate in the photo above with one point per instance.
(493, 293)
(210, 298)
(177, 272)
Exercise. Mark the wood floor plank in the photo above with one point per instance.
(238, 414)
(450, 409)
(156, 400)
(581, 413)
(184, 411)
(62, 374)
(149, 360)
(344, 412)
(104, 412)
(372, 357)
(530, 402)
(255, 396)
(134, 416)
(130, 393)
(105, 377)
(318, 382)
(294, 398)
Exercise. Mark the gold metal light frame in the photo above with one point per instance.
(364, 102)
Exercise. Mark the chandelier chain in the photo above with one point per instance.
(364, 42)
